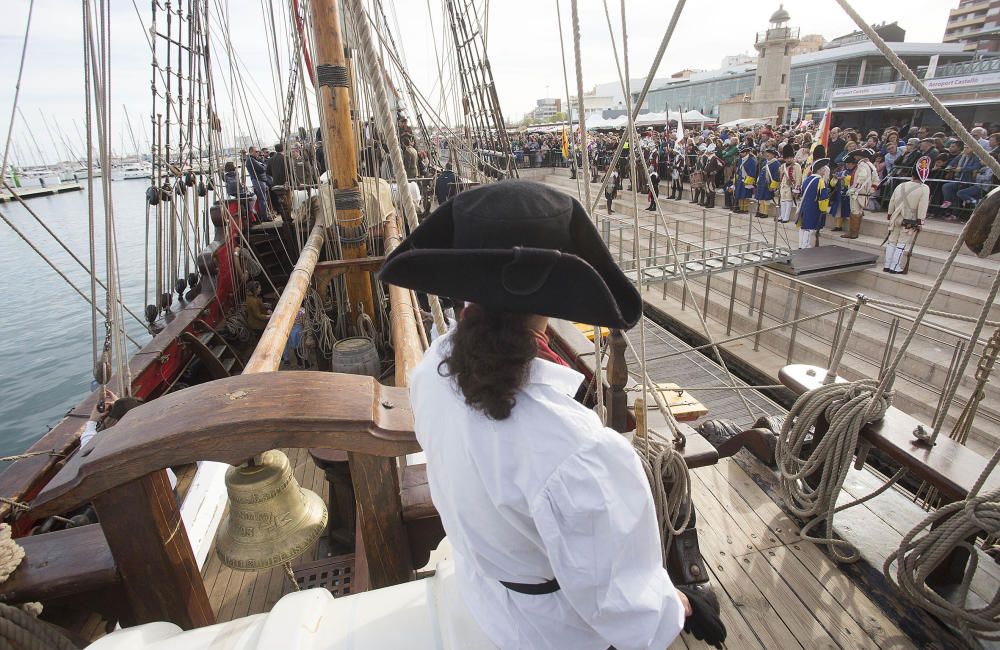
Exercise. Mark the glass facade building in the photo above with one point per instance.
(814, 76)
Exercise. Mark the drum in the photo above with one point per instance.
(697, 179)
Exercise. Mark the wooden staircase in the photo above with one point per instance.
(218, 358)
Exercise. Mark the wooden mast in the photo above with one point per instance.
(341, 155)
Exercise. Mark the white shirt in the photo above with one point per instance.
(548, 492)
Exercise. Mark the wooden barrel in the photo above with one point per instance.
(356, 356)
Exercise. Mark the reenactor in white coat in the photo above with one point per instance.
(907, 211)
(863, 180)
(791, 184)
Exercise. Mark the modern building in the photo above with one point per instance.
(734, 60)
(888, 32)
(808, 44)
(592, 103)
(811, 79)
(546, 108)
(975, 24)
(970, 89)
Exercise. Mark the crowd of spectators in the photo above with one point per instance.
(957, 181)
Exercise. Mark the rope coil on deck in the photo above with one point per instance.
(845, 407)
(665, 466)
(932, 540)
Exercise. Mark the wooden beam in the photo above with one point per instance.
(230, 420)
(61, 564)
(333, 268)
(326, 271)
(147, 537)
(267, 355)
(380, 520)
(403, 316)
(617, 400)
(334, 99)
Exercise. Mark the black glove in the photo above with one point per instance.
(704, 622)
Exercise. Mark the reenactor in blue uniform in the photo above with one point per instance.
(746, 177)
(814, 204)
(768, 180)
(840, 203)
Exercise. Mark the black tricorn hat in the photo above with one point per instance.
(517, 246)
(788, 151)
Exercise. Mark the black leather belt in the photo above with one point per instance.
(539, 589)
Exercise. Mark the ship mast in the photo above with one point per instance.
(333, 96)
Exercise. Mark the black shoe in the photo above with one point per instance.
(837, 230)
(651, 209)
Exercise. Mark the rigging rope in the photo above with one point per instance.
(932, 540)
(810, 483)
(585, 165)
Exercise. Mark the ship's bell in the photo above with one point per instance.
(271, 519)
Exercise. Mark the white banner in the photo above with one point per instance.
(863, 91)
(961, 82)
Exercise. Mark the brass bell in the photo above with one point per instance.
(271, 519)
(982, 235)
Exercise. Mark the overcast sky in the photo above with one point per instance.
(523, 45)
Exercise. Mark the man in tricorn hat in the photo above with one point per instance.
(768, 181)
(814, 204)
(539, 500)
(744, 180)
(907, 211)
(791, 183)
(863, 179)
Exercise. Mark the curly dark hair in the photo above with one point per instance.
(490, 355)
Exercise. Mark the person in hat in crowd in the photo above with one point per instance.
(928, 147)
(907, 212)
(676, 174)
(697, 177)
(814, 204)
(864, 177)
(744, 180)
(654, 189)
(539, 500)
(840, 180)
(768, 181)
(713, 172)
(611, 190)
(790, 185)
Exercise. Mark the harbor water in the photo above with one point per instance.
(46, 349)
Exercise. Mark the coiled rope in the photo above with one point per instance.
(944, 530)
(669, 480)
(811, 484)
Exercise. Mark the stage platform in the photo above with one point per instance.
(826, 259)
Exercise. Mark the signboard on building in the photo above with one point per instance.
(946, 83)
(865, 91)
